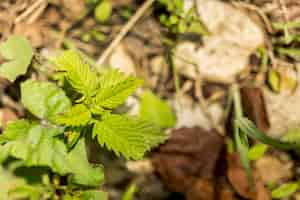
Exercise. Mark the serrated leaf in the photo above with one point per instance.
(257, 151)
(44, 99)
(285, 190)
(115, 89)
(127, 136)
(78, 73)
(78, 115)
(157, 111)
(40, 146)
(19, 53)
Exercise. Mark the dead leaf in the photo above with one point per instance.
(238, 178)
(7, 115)
(225, 53)
(190, 154)
(202, 189)
(254, 106)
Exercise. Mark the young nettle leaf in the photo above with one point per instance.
(40, 146)
(157, 111)
(114, 89)
(78, 73)
(19, 53)
(44, 99)
(128, 136)
(78, 115)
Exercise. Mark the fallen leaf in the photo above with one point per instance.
(254, 106)
(240, 182)
(189, 154)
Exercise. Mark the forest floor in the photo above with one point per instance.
(194, 63)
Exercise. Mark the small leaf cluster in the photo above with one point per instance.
(63, 117)
(99, 95)
(177, 20)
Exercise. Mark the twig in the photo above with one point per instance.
(29, 10)
(38, 12)
(204, 107)
(124, 31)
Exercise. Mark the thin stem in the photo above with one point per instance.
(124, 31)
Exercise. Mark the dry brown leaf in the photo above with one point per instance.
(190, 154)
(238, 178)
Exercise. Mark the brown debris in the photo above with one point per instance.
(6, 115)
(238, 178)
(254, 106)
(187, 161)
(201, 189)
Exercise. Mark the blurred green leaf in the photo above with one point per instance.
(285, 190)
(274, 80)
(157, 111)
(129, 194)
(19, 52)
(257, 151)
(93, 195)
(40, 146)
(44, 99)
(103, 11)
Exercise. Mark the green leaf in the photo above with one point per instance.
(43, 99)
(250, 129)
(93, 195)
(40, 146)
(12, 187)
(128, 136)
(19, 51)
(129, 194)
(292, 136)
(78, 73)
(78, 115)
(274, 80)
(257, 151)
(157, 111)
(83, 172)
(285, 190)
(290, 52)
(115, 89)
(103, 11)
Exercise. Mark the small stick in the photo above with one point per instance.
(29, 10)
(38, 12)
(124, 31)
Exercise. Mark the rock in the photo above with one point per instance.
(225, 52)
(120, 59)
(142, 166)
(190, 114)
